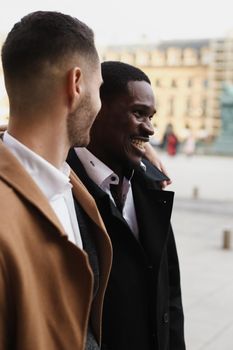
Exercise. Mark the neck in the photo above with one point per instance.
(47, 140)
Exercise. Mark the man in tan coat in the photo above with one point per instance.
(54, 265)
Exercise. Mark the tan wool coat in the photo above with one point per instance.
(46, 282)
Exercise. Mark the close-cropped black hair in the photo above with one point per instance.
(116, 76)
(44, 36)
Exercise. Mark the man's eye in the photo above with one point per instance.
(138, 114)
(141, 114)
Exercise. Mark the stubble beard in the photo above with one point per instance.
(79, 124)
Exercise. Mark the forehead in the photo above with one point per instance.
(140, 92)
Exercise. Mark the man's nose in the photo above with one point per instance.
(148, 127)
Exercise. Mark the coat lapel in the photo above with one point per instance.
(102, 239)
(153, 208)
(12, 173)
(86, 201)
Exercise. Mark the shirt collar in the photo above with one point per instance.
(100, 173)
(143, 166)
(51, 181)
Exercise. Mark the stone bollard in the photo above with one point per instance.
(226, 239)
(195, 192)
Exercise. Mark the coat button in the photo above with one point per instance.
(162, 201)
(165, 317)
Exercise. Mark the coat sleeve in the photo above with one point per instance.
(3, 306)
(175, 301)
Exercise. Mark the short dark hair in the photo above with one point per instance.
(116, 76)
(44, 36)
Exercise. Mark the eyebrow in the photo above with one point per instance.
(141, 105)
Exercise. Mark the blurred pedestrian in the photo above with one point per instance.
(189, 145)
(172, 143)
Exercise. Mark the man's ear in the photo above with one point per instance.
(74, 87)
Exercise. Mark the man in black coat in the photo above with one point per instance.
(143, 307)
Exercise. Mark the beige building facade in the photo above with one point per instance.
(187, 78)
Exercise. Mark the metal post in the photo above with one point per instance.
(226, 239)
(195, 192)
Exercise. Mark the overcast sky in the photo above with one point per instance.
(130, 21)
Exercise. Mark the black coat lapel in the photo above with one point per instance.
(153, 209)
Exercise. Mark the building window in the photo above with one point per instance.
(188, 106)
(205, 83)
(203, 106)
(190, 57)
(190, 83)
(173, 83)
(157, 83)
(171, 106)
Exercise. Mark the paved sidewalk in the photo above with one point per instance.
(206, 269)
(212, 175)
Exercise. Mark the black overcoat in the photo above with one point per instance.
(143, 307)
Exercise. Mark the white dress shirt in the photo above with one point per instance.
(103, 176)
(54, 183)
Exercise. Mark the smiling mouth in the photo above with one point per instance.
(139, 144)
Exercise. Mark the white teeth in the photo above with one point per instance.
(138, 143)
